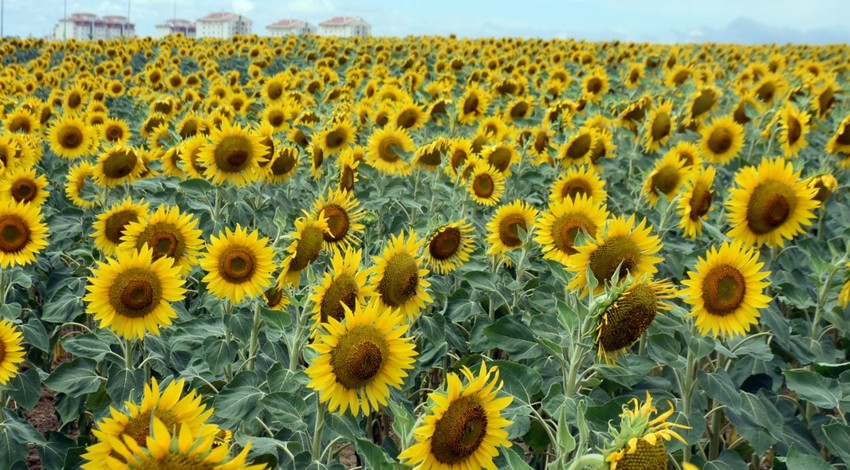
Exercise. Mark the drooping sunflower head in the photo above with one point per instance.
(503, 230)
(639, 442)
(347, 163)
(232, 155)
(283, 164)
(559, 226)
(11, 351)
(722, 140)
(23, 234)
(361, 358)
(696, 200)
(24, 186)
(770, 203)
(344, 285)
(702, 103)
(71, 137)
(727, 290)
(665, 179)
(399, 277)
(579, 180)
(387, 148)
(430, 156)
(344, 216)
(109, 226)
(239, 264)
(450, 246)
(169, 233)
(307, 243)
(485, 184)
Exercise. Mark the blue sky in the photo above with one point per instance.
(742, 21)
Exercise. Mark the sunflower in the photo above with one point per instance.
(343, 285)
(23, 234)
(696, 201)
(169, 233)
(277, 116)
(409, 115)
(540, 143)
(501, 157)
(460, 150)
(110, 226)
(233, 155)
(621, 249)
(579, 147)
(464, 427)
(595, 84)
(386, 151)
(450, 246)
(666, 178)
(131, 295)
(503, 229)
(722, 140)
(563, 221)
(11, 351)
(795, 126)
(347, 163)
(190, 156)
(840, 140)
(71, 137)
(239, 264)
(472, 105)
(688, 152)
(659, 126)
(24, 186)
(22, 121)
(430, 156)
(169, 406)
(361, 358)
(629, 314)
(336, 138)
(825, 184)
(77, 181)
(486, 184)
(308, 239)
(727, 290)
(117, 165)
(825, 97)
(702, 103)
(579, 180)
(344, 216)
(770, 203)
(639, 442)
(398, 277)
(844, 295)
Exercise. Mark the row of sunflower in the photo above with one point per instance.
(567, 189)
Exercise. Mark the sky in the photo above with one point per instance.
(665, 21)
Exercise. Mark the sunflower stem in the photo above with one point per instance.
(824, 292)
(228, 335)
(686, 388)
(317, 431)
(3, 293)
(716, 419)
(254, 341)
(128, 354)
(821, 222)
(587, 460)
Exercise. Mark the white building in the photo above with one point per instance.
(222, 25)
(345, 27)
(88, 26)
(175, 26)
(290, 28)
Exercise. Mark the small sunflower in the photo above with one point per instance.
(501, 157)
(342, 210)
(71, 137)
(727, 290)
(825, 184)
(386, 151)
(486, 184)
(666, 178)
(578, 148)
(464, 428)
(23, 234)
(131, 295)
(503, 229)
(109, 226)
(239, 264)
(622, 248)
(688, 152)
(450, 246)
(844, 295)
(232, 156)
(343, 284)
(398, 276)
(347, 164)
(770, 204)
(117, 165)
(169, 233)
(11, 351)
(722, 140)
(336, 138)
(579, 180)
(283, 165)
(639, 442)
(659, 126)
(696, 201)
(308, 239)
(79, 177)
(430, 156)
(794, 128)
(24, 186)
(460, 151)
(189, 152)
(472, 105)
(361, 358)
(559, 226)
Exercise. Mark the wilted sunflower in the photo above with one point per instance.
(639, 442)
(77, 181)
(449, 246)
(659, 126)
(486, 184)
(131, 295)
(503, 229)
(722, 140)
(579, 180)
(24, 186)
(343, 284)
(727, 290)
(343, 213)
(169, 233)
(622, 248)
(171, 406)
(696, 200)
(561, 223)
(770, 203)
(386, 151)
(232, 155)
(398, 276)
(464, 427)
(308, 239)
(668, 175)
(11, 351)
(794, 127)
(629, 314)
(71, 137)
(361, 358)
(23, 234)
(117, 165)
(109, 226)
(239, 264)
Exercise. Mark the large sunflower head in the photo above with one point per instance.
(665, 179)
(450, 246)
(559, 226)
(132, 294)
(727, 290)
(23, 234)
(398, 276)
(233, 155)
(485, 184)
(109, 226)
(639, 443)
(503, 229)
(579, 180)
(24, 186)
(307, 243)
(464, 427)
(11, 351)
(361, 358)
(722, 140)
(696, 200)
(621, 249)
(169, 233)
(118, 165)
(387, 148)
(71, 137)
(239, 264)
(770, 203)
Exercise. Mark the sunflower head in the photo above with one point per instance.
(639, 442)
(398, 276)
(450, 246)
(239, 264)
(825, 185)
(11, 351)
(23, 234)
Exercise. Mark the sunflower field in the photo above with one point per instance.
(423, 252)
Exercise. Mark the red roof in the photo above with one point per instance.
(287, 24)
(342, 21)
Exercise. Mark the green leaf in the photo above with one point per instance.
(798, 461)
(727, 460)
(836, 437)
(219, 352)
(54, 452)
(240, 399)
(75, 378)
(279, 320)
(282, 379)
(719, 386)
(286, 408)
(813, 387)
(25, 388)
(374, 456)
(520, 381)
(512, 336)
(65, 303)
(11, 449)
(514, 459)
(123, 383)
(566, 441)
(88, 345)
(35, 334)
(22, 430)
(403, 422)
